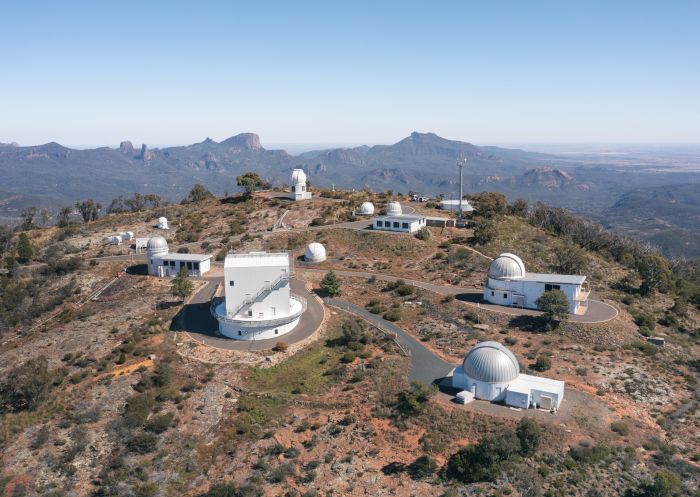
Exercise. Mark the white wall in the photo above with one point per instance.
(247, 281)
(480, 389)
(532, 290)
(262, 333)
(413, 225)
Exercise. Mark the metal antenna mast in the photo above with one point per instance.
(461, 162)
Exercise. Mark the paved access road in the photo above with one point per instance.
(598, 312)
(426, 367)
(197, 321)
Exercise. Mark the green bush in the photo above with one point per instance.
(142, 443)
(543, 363)
(393, 314)
(620, 428)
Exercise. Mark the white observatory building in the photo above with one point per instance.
(366, 209)
(299, 188)
(490, 371)
(396, 220)
(509, 284)
(164, 264)
(315, 252)
(258, 301)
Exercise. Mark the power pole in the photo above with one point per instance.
(461, 162)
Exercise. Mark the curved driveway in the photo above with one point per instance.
(426, 367)
(197, 322)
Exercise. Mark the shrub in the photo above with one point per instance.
(543, 363)
(620, 428)
(26, 386)
(393, 314)
(447, 299)
(423, 234)
(330, 284)
(483, 461)
(280, 347)
(142, 443)
(530, 434)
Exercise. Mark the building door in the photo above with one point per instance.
(546, 402)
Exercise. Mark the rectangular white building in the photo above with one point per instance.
(528, 390)
(197, 264)
(403, 223)
(524, 292)
(257, 284)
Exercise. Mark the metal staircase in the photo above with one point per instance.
(267, 288)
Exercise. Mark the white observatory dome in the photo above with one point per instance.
(298, 177)
(367, 208)
(315, 252)
(393, 209)
(491, 362)
(157, 246)
(506, 266)
(163, 223)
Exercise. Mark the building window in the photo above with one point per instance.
(230, 283)
(404, 226)
(293, 188)
(189, 265)
(505, 295)
(492, 294)
(396, 224)
(276, 330)
(549, 287)
(379, 223)
(196, 265)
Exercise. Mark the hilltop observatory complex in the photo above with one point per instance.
(258, 302)
(299, 188)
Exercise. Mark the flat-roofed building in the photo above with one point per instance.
(402, 222)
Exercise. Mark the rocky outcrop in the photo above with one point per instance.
(145, 154)
(127, 148)
(244, 141)
(13, 144)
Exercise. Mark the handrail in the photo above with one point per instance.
(258, 323)
(266, 288)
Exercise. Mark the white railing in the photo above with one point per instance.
(266, 289)
(258, 323)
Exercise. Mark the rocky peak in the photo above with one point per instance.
(244, 141)
(145, 154)
(127, 148)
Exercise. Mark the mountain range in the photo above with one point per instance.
(52, 175)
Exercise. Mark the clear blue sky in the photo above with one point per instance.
(84, 73)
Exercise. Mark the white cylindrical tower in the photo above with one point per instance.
(156, 248)
(163, 223)
(299, 191)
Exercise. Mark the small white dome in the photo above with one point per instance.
(491, 362)
(157, 244)
(367, 208)
(393, 209)
(315, 252)
(298, 177)
(163, 223)
(506, 266)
